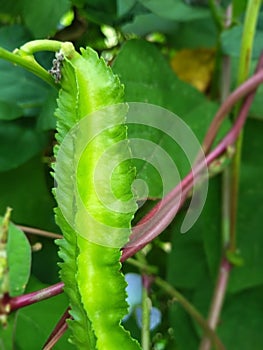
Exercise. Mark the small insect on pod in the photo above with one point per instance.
(55, 71)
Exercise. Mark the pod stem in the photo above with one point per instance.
(24, 56)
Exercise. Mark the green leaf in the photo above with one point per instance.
(46, 119)
(231, 41)
(250, 211)
(19, 260)
(9, 111)
(26, 190)
(256, 110)
(201, 33)
(239, 7)
(13, 36)
(184, 332)
(42, 17)
(19, 88)
(124, 6)
(176, 10)
(249, 237)
(19, 142)
(144, 24)
(6, 333)
(242, 312)
(187, 260)
(208, 228)
(99, 11)
(151, 80)
(11, 7)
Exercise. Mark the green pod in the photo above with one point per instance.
(91, 258)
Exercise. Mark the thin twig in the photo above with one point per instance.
(191, 310)
(36, 231)
(243, 90)
(217, 301)
(221, 284)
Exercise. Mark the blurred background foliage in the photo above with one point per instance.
(168, 53)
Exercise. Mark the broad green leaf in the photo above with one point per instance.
(144, 24)
(200, 34)
(13, 36)
(187, 261)
(27, 191)
(256, 110)
(249, 237)
(209, 224)
(250, 211)
(10, 7)
(99, 11)
(46, 119)
(19, 88)
(6, 333)
(9, 111)
(19, 260)
(19, 141)
(184, 333)
(151, 80)
(179, 34)
(208, 227)
(199, 249)
(239, 7)
(42, 17)
(231, 41)
(242, 312)
(124, 6)
(175, 9)
(193, 266)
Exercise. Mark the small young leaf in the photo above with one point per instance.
(19, 260)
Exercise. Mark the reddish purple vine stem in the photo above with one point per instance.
(58, 331)
(249, 86)
(31, 298)
(163, 213)
(157, 219)
(218, 299)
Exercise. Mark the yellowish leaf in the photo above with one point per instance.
(194, 66)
